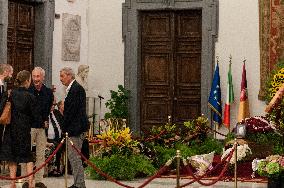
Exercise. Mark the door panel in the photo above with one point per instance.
(170, 66)
(20, 36)
(187, 62)
(156, 79)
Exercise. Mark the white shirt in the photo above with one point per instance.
(1, 84)
(69, 86)
(50, 132)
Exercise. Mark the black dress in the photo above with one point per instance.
(16, 145)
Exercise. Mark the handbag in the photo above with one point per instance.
(5, 117)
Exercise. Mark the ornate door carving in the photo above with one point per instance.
(20, 38)
(170, 66)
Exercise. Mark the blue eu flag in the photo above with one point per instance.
(214, 100)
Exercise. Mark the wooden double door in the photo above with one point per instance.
(20, 36)
(170, 87)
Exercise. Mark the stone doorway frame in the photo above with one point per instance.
(43, 39)
(130, 34)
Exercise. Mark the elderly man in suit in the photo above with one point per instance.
(75, 122)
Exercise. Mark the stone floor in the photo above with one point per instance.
(156, 183)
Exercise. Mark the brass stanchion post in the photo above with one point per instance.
(236, 148)
(178, 168)
(66, 159)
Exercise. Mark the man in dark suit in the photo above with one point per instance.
(75, 122)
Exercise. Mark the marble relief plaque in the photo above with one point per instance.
(71, 37)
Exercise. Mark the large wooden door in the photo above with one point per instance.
(20, 38)
(170, 66)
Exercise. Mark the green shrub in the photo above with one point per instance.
(122, 167)
(209, 145)
(118, 103)
(272, 139)
(162, 155)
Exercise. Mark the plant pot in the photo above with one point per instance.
(275, 182)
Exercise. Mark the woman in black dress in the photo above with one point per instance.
(24, 112)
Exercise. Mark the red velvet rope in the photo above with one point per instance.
(214, 181)
(37, 169)
(208, 172)
(95, 141)
(97, 169)
(158, 174)
(155, 137)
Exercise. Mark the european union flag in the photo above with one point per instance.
(214, 101)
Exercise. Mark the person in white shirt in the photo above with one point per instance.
(54, 136)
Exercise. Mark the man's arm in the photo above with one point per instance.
(276, 99)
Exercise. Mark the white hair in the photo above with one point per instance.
(41, 70)
(68, 71)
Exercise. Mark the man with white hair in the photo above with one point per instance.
(75, 122)
(44, 97)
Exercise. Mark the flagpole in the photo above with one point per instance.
(215, 100)
(230, 63)
(215, 123)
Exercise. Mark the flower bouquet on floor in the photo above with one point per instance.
(271, 167)
(242, 152)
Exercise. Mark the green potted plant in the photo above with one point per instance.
(118, 106)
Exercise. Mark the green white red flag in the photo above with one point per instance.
(230, 98)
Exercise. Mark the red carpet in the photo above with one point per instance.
(244, 172)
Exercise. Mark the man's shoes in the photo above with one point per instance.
(25, 185)
(40, 185)
(73, 186)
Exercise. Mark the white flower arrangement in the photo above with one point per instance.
(202, 163)
(254, 166)
(242, 152)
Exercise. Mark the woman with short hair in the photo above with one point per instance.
(24, 112)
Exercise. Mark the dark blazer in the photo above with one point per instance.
(44, 99)
(24, 113)
(75, 117)
(3, 99)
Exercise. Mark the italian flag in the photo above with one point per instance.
(244, 102)
(230, 98)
